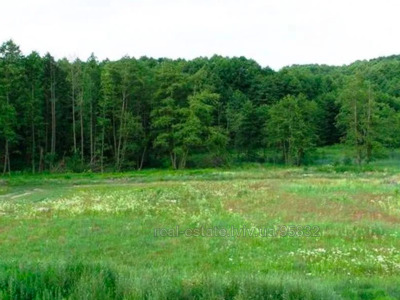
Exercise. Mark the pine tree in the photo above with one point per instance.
(34, 104)
(10, 93)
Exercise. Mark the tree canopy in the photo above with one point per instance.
(136, 113)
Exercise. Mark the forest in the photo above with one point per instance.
(135, 113)
(308, 154)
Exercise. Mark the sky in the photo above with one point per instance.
(275, 33)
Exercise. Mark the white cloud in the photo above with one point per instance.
(273, 32)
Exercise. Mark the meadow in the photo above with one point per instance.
(92, 236)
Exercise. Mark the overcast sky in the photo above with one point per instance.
(275, 33)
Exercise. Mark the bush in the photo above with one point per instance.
(74, 164)
(347, 161)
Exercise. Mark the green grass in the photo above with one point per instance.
(91, 236)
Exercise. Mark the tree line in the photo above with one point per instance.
(133, 113)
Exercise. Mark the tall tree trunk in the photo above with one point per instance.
(81, 120)
(182, 163)
(102, 143)
(46, 141)
(6, 168)
(6, 159)
(6, 149)
(173, 160)
(33, 131)
(368, 134)
(53, 116)
(91, 132)
(142, 158)
(53, 126)
(123, 150)
(114, 135)
(285, 152)
(356, 138)
(102, 152)
(121, 131)
(33, 148)
(73, 107)
(41, 160)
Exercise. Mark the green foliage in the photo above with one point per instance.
(137, 113)
(365, 119)
(292, 127)
(249, 136)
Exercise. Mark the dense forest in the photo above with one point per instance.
(59, 115)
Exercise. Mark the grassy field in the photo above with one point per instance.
(92, 236)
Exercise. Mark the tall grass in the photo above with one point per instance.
(99, 281)
(88, 281)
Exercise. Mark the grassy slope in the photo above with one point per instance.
(92, 235)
